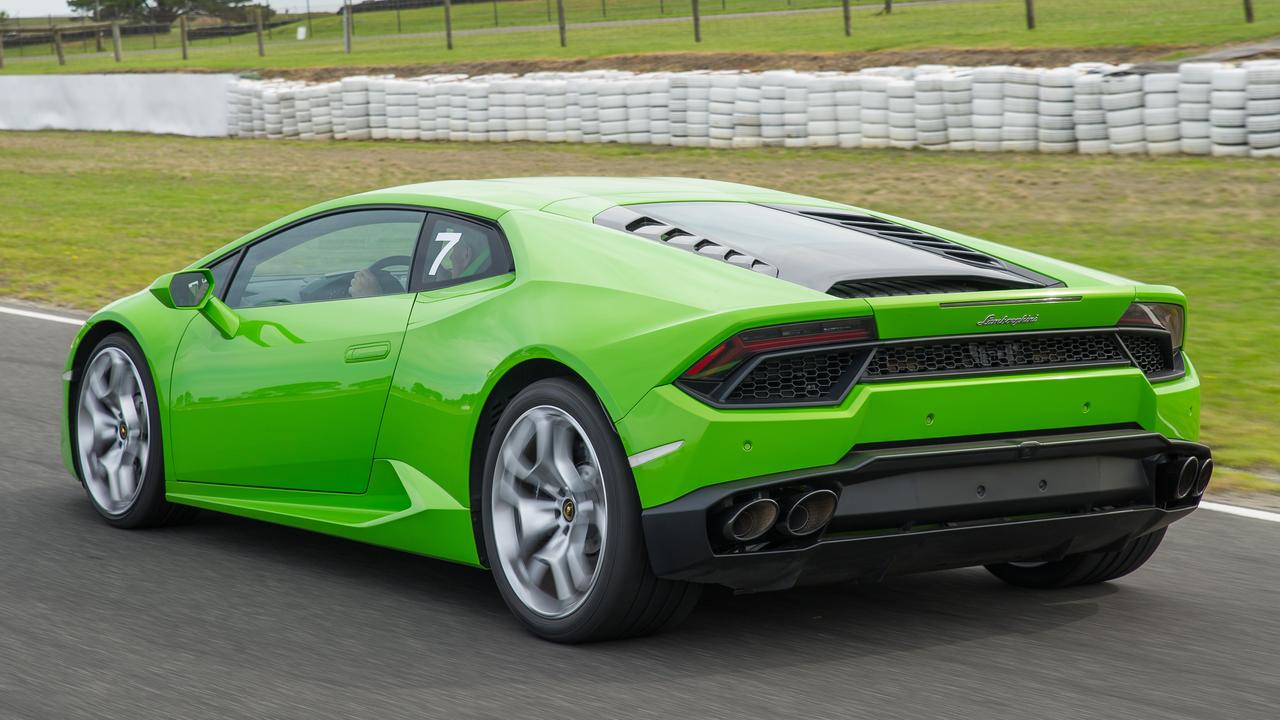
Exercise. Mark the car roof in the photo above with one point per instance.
(580, 197)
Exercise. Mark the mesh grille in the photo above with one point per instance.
(993, 354)
(792, 378)
(1147, 353)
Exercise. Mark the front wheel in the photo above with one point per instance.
(116, 437)
(562, 523)
(1082, 569)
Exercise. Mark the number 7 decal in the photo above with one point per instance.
(449, 239)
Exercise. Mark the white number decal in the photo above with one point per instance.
(449, 240)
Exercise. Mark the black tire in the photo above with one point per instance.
(626, 599)
(149, 508)
(1082, 569)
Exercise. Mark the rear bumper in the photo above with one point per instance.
(936, 506)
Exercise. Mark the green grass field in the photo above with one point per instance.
(1169, 27)
(90, 217)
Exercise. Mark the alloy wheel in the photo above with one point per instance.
(549, 511)
(113, 430)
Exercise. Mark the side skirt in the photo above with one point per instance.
(401, 509)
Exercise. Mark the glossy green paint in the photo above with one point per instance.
(282, 394)
(724, 445)
(357, 417)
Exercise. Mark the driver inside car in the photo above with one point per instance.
(364, 284)
(468, 257)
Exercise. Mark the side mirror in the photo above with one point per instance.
(193, 290)
(188, 290)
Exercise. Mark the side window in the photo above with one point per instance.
(354, 254)
(458, 250)
(222, 270)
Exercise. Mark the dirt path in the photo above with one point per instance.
(1030, 57)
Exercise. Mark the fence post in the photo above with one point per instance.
(1, 45)
(399, 27)
(257, 21)
(448, 24)
(848, 29)
(888, 7)
(97, 40)
(57, 45)
(560, 19)
(495, 13)
(697, 23)
(604, 11)
(1031, 15)
(115, 39)
(310, 34)
(1248, 11)
(346, 27)
(182, 35)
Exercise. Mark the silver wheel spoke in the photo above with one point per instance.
(548, 511)
(556, 560)
(111, 468)
(535, 526)
(112, 430)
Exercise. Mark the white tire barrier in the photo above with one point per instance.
(1091, 108)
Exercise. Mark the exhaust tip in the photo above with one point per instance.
(1187, 474)
(750, 520)
(809, 513)
(1202, 480)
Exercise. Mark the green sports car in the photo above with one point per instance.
(614, 391)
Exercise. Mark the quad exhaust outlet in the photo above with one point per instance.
(799, 514)
(1188, 473)
(807, 513)
(749, 520)
(1202, 480)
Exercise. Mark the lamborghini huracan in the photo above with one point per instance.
(612, 392)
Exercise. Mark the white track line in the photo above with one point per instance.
(41, 316)
(1241, 511)
(1216, 507)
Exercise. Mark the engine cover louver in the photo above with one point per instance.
(898, 233)
(891, 287)
(620, 218)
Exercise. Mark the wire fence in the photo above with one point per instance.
(352, 23)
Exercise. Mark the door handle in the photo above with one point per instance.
(368, 351)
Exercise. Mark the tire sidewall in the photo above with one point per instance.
(151, 491)
(623, 559)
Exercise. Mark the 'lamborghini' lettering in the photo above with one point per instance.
(1007, 320)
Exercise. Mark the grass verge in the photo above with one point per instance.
(90, 217)
(1173, 26)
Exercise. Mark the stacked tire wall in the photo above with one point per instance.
(1092, 108)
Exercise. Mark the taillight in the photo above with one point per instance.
(728, 355)
(1167, 316)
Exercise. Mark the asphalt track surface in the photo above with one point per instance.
(230, 618)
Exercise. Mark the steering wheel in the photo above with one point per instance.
(386, 281)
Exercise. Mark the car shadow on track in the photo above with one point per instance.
(724, 634)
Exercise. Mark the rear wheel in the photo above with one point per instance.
(562, 523)
(1082, 569)
(116, 437)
